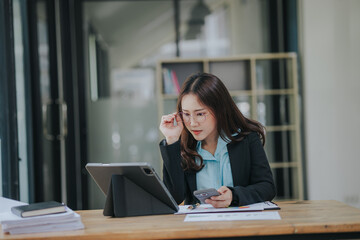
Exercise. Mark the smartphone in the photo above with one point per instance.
(205, 194)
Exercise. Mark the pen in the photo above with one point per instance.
(193, 206)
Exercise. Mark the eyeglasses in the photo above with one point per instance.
(199, 117)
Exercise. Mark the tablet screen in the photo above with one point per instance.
(140, 173)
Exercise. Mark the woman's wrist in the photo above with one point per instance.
(171, 140)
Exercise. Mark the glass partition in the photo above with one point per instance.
(123, 41)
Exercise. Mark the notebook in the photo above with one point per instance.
(37, 209)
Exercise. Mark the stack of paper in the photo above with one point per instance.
(13, 224)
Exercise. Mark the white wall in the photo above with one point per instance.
(330, 42)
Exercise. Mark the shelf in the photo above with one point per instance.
(276, 73)
(180, 71)
(275, 110)
(169, 96)
(235, 74)
(275, 92)
(241, 93)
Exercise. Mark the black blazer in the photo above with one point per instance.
(252, 177)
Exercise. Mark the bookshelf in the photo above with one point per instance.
(265, 88)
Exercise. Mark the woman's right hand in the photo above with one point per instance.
(171, 132)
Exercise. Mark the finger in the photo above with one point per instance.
(165, 123)
(168, 121)
(178, 118)
(167, 118)
(173, 115)
(217, 204)
(225, 195)
(223, 189)
(223, 204)
(218, 198)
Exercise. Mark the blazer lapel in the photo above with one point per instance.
(191, 176)
(238, 155)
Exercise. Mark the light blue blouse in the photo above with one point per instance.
(217, 169)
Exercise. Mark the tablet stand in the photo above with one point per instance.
(125, 198)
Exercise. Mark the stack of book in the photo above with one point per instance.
(20, 218)
(170, 81)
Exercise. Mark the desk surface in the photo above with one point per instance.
(302, 217)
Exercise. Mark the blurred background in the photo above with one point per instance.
(79, 83)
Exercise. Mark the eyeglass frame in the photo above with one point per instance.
(191, 116)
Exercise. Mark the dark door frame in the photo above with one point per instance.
(75, 96)
(68, 87)
(8, 119)
(37, 117)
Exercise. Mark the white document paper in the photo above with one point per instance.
(231, 216)
(268, 205)
(9, 220)
(6, 204)
(71, 224)
(208, 208)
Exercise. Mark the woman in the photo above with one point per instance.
(218, 147)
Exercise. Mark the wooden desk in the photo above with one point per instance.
(303, 219)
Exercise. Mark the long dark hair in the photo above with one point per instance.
(212, 92)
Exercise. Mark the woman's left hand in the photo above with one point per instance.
(224, 200)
